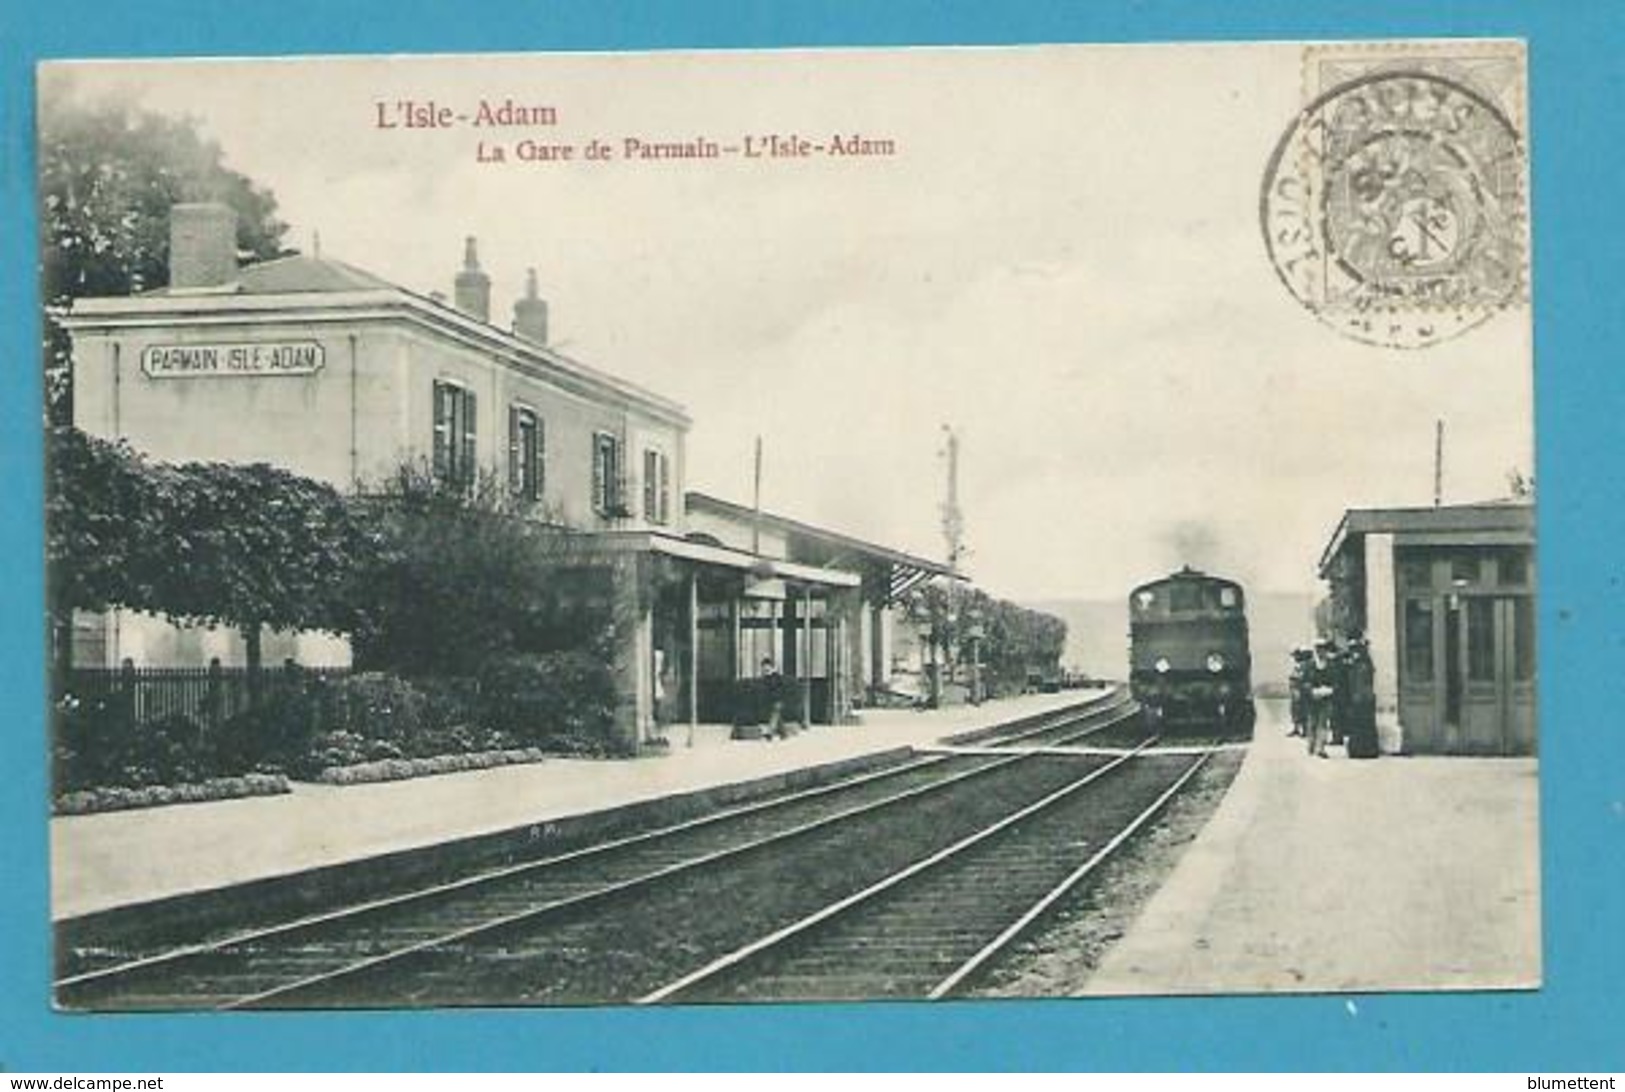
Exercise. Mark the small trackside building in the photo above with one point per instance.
(1446, 596)
(853, 632)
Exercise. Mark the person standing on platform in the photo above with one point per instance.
(1362, 682)
(1340, 695)
(772, 700)
(1298, 691)
(1322, 693)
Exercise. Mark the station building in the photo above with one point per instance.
(334, 373)
(1446, 597)
(851, 636)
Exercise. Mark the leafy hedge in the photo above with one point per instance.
(120, 797)
(241, 545)
(396, 769)
(548, 696)
(377, 724)
(98, 744)
(561, 703)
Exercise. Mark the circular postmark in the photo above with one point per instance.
(1393, 208)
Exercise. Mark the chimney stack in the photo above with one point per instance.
(473, 287)
(202, 245)
(530, 313)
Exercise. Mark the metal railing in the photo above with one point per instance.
(211, 695)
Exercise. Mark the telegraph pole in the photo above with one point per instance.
(756, 502)
(953, 520)
(953, 530)
(1438, 462)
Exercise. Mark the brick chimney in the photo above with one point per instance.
(202, 245)
(530, 313)
(473, 287)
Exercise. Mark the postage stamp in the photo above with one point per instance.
(1394, 207)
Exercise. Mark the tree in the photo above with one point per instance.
(247, 546)
(1014, 641)
(253, 546)
(1519, 485)
(108, 176)
(463, 575)
(100, 516)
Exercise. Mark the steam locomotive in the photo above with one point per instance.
(1190, 667)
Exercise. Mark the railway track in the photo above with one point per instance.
(368, 953)
(931, 929)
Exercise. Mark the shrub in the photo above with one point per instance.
(171, 750)
(579, 746)
(93, 740)
(450, 716)
(376, 706)
(329, 749)
(381, 749)
(549, 696)
(98, 743)
(271, 737)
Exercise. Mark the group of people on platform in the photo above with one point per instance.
(1334, 697)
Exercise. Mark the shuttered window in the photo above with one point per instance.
(454, 434)
(665, 490)
(606, 475)
(526, 454)
(656, 486)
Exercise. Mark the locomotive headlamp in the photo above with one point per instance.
(1162, 665)
(1215, 662)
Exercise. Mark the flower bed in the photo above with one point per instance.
(397, 769)
(120, 797)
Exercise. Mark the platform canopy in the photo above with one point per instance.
(1506, 522)
(887, 573)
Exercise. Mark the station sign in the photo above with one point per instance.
(233, 358)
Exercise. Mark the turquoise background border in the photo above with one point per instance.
(1579, 217)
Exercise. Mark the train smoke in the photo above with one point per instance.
(1199, 544)
(1193, 543)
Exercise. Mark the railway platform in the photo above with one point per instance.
(101, 862)
(1338, 874)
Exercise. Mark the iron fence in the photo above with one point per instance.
(210, 695)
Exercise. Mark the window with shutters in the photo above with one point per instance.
(606, 475)
(454, 434)
(665, 489)
(656, 486)
(527, 453)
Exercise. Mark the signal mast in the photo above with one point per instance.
(961, 625)
(953, 520)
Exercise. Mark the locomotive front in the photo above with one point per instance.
(1190, 666)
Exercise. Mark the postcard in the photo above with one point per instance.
(797, 525)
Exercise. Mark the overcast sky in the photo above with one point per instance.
(1062, 261)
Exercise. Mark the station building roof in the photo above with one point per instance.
(1498, 522)
(303, 288)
